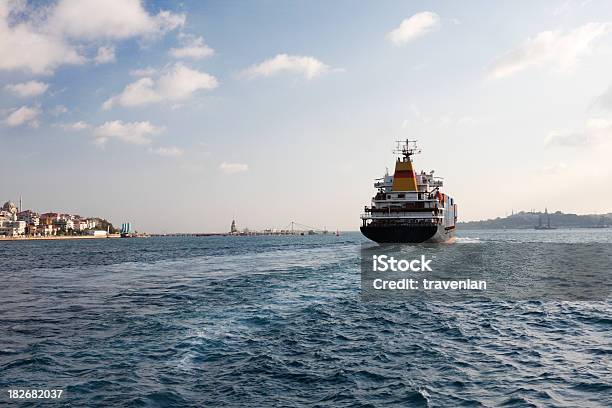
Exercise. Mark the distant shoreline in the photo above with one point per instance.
(532, 219)
(221, 234)
(198, 234)
(502, 228)
(245, 234)
(58, 237)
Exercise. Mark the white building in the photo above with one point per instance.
(12, 228)
(65, 224)
(97, 233)
(80, 225)
(9, 225)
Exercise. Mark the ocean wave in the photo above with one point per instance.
(276, 324)
(468, 240)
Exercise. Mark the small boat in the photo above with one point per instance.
(541, 226)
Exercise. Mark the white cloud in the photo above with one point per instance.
(570, 138)
(181, 82)
(129, 132)
(192, 47)
(143, 72)
(178, 83)
(59, 110)
(24, 115)
(233, 168)
(167, 151)
(53, 34)
(26, 89)
(111, 19)
(45, 51)
(414, 27)
(595, 130)
(106, 54)
(137, 93)
(75, 126)
(308, 66)
(559, 49)
(101, 141)
(600, 126)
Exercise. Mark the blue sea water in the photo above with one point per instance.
(279, 321)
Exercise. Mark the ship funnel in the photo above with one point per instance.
(404, 178)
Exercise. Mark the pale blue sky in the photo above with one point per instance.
(510, 102)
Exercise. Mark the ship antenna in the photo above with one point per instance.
(407, 148)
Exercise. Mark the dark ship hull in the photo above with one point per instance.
(408, 234)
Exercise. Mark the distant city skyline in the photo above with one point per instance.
(236, 227)
(184, 116)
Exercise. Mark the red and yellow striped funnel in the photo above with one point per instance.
(404, 178)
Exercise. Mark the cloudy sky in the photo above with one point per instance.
(181, 116)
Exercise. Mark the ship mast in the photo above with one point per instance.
(406, 148)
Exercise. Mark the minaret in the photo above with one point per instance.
(20, 204)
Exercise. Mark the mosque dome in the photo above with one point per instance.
(10, 207)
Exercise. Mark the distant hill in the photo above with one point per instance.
(523, 220)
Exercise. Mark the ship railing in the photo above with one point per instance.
(403, 207)
(368, 216)
(383, 197)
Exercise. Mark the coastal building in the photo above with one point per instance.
(15, 221)
(45, 230)
(80, 225)
(12, 228)
(5, 216)
(30, 217)
(9, 224)
(64, 224)
(97, 233)
(9, 206)
(49, 218)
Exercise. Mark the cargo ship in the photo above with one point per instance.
(409, 207)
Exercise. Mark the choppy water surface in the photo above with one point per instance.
(278, 321)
